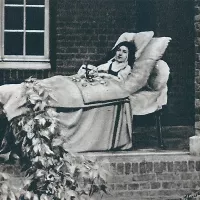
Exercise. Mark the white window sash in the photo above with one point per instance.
(46, 35)
(1, 28)
(46, 30)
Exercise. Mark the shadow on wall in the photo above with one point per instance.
(175, 19)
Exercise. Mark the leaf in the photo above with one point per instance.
(4, 197)
(15, 156)
(43, 105)
(35, 197)
(26, 183)
(35, 141)
(104, 173)
(21, 122)
(28, 195)
(42, 161)
(4, 189)
(40, 173)
(37, 106)
(11, 195)
(52, 97)
(35, 160)
(52, 112)
(27, 128)
(47, 150)
(5, 156)
(42, 121)
(93, 174)
(71, 193)
(58, 167)
(46, 94)
(72, 169)
(5, 176)
(27, 149)
(37, 148)
(30, 135)
(38, 117)
(52, 127)
(57, 142)
(41, 90)
(35, 97)
(45, 133)
(29, 91)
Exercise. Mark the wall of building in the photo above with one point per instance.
(84, 30)
(11, 76)
(87, 29)
(152, 175)
(197, 66)
(174, 18)
(142, 175)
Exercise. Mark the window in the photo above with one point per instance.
(24, 31)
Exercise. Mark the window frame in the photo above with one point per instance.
(25, 58)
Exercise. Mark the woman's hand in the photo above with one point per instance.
(92, 70)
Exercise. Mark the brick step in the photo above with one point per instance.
(152, 174)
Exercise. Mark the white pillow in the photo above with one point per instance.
(144, 65)
(159, 76)
(155, 49)
(140, 39)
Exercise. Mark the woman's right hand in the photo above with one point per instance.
(81, 72)
(91, 68)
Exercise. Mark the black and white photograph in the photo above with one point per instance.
(99, 99)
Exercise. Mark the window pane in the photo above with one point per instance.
(13, 44)
(14, 1)
(35, 2)
(35, 44)
(35, 18)
(13, 18)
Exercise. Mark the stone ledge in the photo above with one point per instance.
(147, 173)
(143, 154)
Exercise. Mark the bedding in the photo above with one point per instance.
(97, 115)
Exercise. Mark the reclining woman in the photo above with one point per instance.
(102, 126)
(97, 117)
(119, 63)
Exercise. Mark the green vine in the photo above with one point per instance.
(52, 173)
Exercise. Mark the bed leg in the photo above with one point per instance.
(159, 129)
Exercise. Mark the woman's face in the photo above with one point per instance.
(121, 54)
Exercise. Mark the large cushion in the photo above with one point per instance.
(140, 39)
(145, 102)
(145, 64)
(159, 76)
(155, 49)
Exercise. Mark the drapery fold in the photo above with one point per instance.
(98, 128)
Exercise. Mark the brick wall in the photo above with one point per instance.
(197, 66)
(83, 30)
(11, 76)
(144, 175)
(174, 18)
(87, 29)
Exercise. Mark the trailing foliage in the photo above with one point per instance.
(52, 173)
